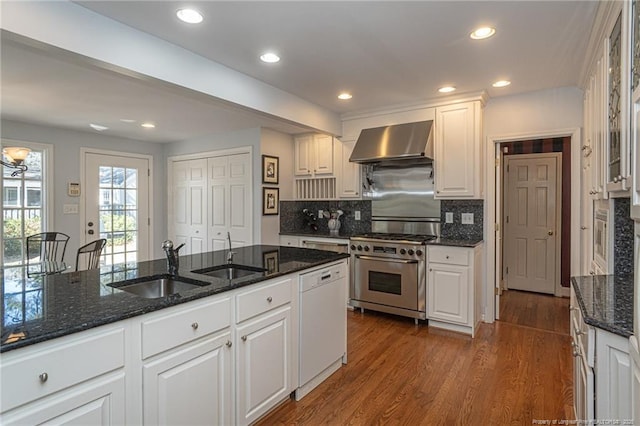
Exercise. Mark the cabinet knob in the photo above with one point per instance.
(615, 179)
(437, 192)
(229, 343)
(244, 338)
(591, 273)
(430, 270)
(43, 377)
(446, 257)
(583, 227)
(269, 299)
(194, 325)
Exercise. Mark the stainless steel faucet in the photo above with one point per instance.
(173, 259)
(230, 253)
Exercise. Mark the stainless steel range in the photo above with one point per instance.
(389, 273)
(388, 267)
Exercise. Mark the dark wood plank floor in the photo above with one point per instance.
(403, 374)
(535, 310)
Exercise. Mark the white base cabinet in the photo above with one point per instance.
(453, 288)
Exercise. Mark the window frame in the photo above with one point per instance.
(46, 188)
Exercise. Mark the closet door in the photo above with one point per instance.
(230, 203)
(188, 216)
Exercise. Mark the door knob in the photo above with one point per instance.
(550, 232)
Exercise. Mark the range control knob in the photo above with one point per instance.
(410, 251)
(359, 247)
(419, 252)
(353, 246)
(366, 248)
(403, 251)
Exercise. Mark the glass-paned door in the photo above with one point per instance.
(117, 206)
(23, 209)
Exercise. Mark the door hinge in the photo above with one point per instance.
(507, 219)
(497, 161)
(506, 270)
(507, 169)
(149, 221)
(497, 227)
(149, 172)
(497, 291)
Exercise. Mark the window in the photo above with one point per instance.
(24, 207)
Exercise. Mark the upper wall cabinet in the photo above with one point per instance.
(618, 164)
(348, 173)
(633, 10)
(458, 157)
(313, 155)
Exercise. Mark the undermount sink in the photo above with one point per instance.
(230, 271)
(158, 286)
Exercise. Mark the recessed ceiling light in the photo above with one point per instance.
(127, 120)
(98, 127)
(190, 16)
(344, 96)
(270, 57)
(446, 89)
(482, 33)
(148, 125)
(501, 83)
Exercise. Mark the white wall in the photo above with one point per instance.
(66, 160)
(279, 145)
(534, 112)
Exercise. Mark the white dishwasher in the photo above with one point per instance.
(323, 325)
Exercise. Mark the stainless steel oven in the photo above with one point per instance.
(389, 275)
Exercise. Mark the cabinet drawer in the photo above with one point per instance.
(449, 255)
(176, 326)
(34, 372)
(263, 299)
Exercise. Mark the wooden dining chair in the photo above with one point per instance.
(47, 247)
(91, 251)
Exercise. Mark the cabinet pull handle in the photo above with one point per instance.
(229, 343)
(269, 299)
(446, 257)
(244, 338)
(194, 325)
(580, 333)
(43, 377)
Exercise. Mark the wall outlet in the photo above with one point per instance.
(448, 217)
(357, 214)
(70, 209)
(320, 216)
(467, 218)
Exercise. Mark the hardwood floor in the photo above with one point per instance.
(399, 373)
(535, 310)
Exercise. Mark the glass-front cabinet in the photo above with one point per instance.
(618, 170)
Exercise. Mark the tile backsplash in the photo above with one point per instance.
(622, 237)
(292, 219)
(457, 230)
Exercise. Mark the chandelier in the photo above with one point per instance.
(15, 156)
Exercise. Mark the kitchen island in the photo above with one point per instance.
(77, 348)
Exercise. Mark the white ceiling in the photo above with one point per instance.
(384, 53)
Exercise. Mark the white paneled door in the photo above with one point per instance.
(532, 231)
(116, 205)
(230, 201)
(189, 205)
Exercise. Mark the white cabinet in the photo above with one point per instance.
(613, 377)
(264, 349)
(453, 285)
(582, 344)
(191, 385)
(77, 379)
(348, 173)
(313, 155)
(186, 375)
(290, 241)
(458, 155)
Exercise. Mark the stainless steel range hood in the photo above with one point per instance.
(408, 141)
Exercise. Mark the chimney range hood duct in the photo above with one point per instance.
(408, 141)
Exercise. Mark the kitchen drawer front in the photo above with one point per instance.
(449, 255)
(263, 299)
(169, 329)
(34, 372)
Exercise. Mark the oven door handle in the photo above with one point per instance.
(381, 259)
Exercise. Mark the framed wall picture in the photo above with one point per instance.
(270, 200)
(270, 261)
(270, 169)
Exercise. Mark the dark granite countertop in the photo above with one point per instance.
(606, 302)
(36, 309)
(455, 242)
